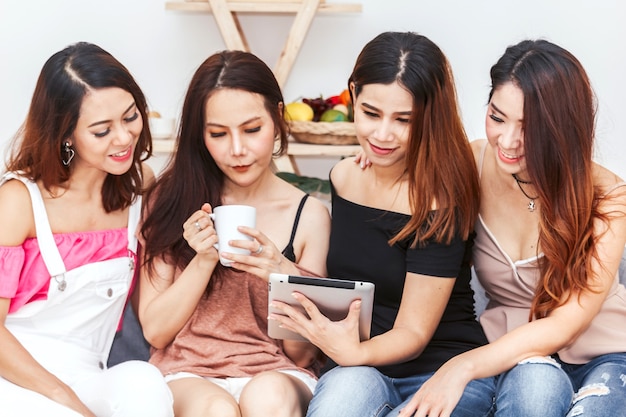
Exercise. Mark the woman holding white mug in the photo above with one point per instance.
(207, 322)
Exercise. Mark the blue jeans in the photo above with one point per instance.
(551, 388)
(362, 391)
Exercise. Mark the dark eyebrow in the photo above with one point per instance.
(108, 121)
(500, 111)
(252, 119)
(497, 109)
(402, 113)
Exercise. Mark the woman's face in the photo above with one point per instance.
(239, 134)
(504, 125)
(107, 131)
(382, 118)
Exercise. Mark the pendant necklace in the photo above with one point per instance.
(531, 203)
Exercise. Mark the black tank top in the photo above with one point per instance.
(288, 251)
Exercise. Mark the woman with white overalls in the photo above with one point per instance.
(69, 207)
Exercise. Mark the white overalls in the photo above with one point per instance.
(71, 332)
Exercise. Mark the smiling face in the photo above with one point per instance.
(504, 125)
(239, 134)
(107, 131)
(382, 118)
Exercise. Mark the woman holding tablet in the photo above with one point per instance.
(406, 225)
(208, 322)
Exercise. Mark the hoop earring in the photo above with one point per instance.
(68, 153)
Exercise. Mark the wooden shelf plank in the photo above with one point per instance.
(269, 7)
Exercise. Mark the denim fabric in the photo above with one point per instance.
(550, 388)
(533, 388)
(600, 386)
(362, 391)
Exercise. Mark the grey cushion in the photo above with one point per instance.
(129, 342)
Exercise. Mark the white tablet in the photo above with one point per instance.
(332, 296)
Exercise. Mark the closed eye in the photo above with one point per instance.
(132, 118)
(253, 129)
(369, 113)
(496, 118)
(102, 134)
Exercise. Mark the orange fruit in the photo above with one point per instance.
(345, 97)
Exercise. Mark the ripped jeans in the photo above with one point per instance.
(548, 387)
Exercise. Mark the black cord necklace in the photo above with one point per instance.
(531, 203)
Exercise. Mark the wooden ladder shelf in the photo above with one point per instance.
(225, 13)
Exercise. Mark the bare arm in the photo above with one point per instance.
(314, 231)
(537, 338)
(16, 364)
(423, 303)
(166, 301)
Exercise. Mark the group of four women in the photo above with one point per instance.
(542, 224)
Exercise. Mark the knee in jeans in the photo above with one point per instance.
(348, 378)
(587, 391)
(592, 390)
(547, 360)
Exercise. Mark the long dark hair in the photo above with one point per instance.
(439, 159)
(65, 79)
(192, 177)
(559, 129)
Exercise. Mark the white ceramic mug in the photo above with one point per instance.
(226, 220)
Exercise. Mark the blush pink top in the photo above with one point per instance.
(24, 276)
(509, 286)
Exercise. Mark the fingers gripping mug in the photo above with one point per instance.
(226, 220)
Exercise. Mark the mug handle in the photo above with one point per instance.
(212, 216)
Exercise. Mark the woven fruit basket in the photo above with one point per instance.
(324, 133)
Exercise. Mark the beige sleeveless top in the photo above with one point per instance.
(509, 286)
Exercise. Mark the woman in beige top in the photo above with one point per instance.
(550, 236)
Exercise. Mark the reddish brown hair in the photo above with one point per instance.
(559, 124)
(439, 160)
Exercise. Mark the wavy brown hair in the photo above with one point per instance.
(439, 160)
(559, 129)
(65, 79)
(192, 177)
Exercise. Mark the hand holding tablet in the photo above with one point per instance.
(331, 296)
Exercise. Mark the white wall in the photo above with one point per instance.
(163, 48)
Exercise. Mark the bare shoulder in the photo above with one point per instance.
(613, 190)
(313, 207)
(147, 174)
(316, 209)
(16, 214)
(312, 239)
(477, 148)
(607, 181)
(343, 172)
